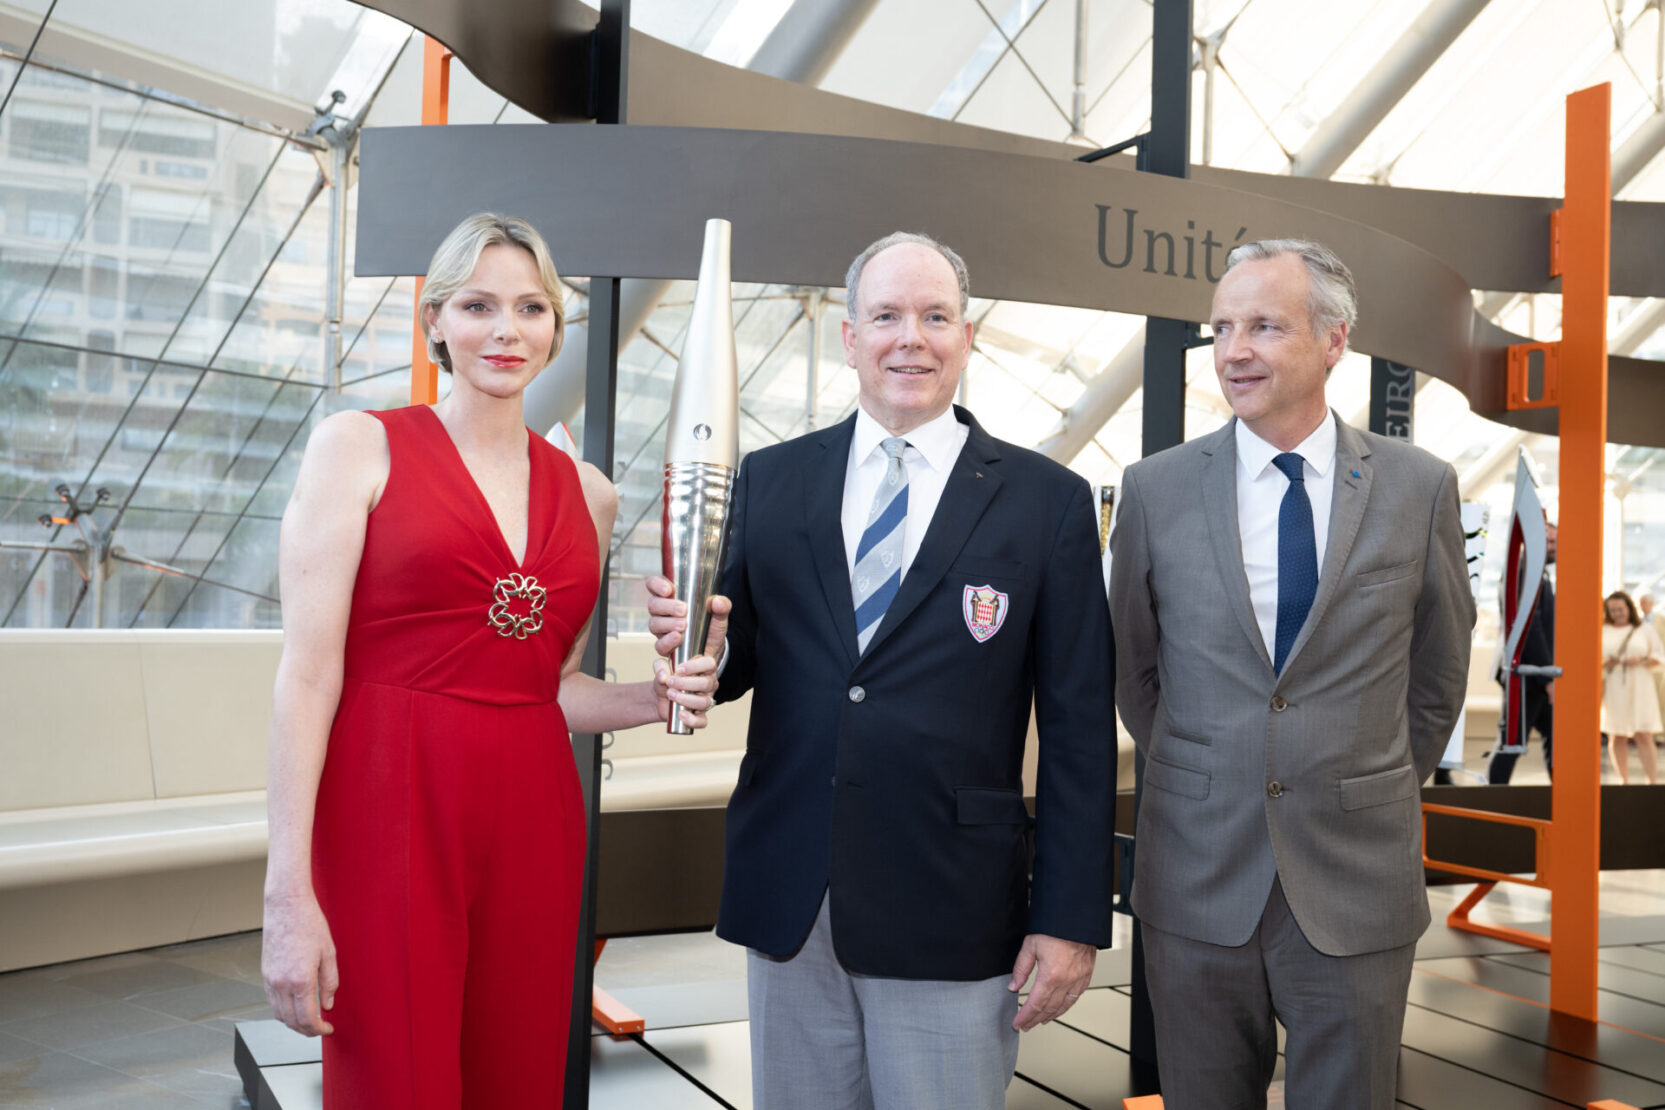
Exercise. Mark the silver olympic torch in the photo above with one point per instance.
(702, 449)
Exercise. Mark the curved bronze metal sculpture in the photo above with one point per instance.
(1417, 252)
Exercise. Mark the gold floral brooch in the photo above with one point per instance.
(516, 587)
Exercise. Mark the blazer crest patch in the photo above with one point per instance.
(985, 611)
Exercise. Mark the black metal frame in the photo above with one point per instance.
(1166, 150)
(610, 70)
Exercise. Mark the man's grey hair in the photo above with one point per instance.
(852, 276)
(1332, 298)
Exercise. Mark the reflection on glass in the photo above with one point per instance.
(378, 331)
(772, 345)
(135, 230)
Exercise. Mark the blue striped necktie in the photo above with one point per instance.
(878, 573)
(1297, 557)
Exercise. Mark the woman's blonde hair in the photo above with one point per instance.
(453, 264)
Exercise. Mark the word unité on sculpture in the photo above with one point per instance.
(1168, 242)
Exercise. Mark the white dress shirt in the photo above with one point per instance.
(1260, 490)
(930, 454)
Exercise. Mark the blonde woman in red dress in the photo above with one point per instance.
(439, 567)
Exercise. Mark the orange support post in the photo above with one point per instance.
(1585, 253)
(436, 106)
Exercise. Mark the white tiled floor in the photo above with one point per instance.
(142, 1030)
(153, 1029)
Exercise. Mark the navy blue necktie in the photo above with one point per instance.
(1297, 558)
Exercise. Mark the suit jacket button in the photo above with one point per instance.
(1279, 704)
(1274, 790)
(857, 694)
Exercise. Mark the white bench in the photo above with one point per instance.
(133, 775)
(132, 795)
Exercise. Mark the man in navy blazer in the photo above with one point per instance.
(881, 864)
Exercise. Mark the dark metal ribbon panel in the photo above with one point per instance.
(630, 201)
(535, 52)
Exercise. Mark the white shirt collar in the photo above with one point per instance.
(939, 439)
(1318, 449)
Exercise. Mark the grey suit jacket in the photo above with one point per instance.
(1313, 775)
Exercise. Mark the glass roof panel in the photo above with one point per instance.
(138, 227)
(941, 37)
(277, 327)
(1009, 99)
(288, 47)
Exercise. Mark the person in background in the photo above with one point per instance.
(1629, 704)
(1651, 615)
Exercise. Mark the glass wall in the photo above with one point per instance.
(163, 265)
(162, 277)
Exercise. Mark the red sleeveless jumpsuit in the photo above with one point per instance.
(448, 841)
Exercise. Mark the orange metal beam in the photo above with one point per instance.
(1541, 855)
(1586, 231)
(613, 1015)
(1458, 919)
(436, 107)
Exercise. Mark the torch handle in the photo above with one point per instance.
(694, 537)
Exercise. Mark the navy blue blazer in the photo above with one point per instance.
(893, 779)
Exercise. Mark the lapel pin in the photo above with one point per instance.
(1356, 474)
(979, 473)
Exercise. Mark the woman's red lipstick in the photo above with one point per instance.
(505, 362)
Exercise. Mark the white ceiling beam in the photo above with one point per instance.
(1479, 475)
(1406, 61)
(809, 38)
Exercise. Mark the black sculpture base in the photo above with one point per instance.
(280, 1069)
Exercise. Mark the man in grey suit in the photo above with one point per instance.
(1279, 873)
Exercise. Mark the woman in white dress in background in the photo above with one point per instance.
(1629, 705)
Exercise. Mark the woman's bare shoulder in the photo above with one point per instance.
(348, 448)
(599, 492)
(349, 437)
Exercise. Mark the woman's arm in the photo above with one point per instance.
(591, 705)
(341, 477)
(1653, 647)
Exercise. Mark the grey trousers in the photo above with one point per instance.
(825, 1038)
(1215, 1008)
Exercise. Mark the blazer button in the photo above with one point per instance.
(1274, 790)
(1279, 704)
(857, 694)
